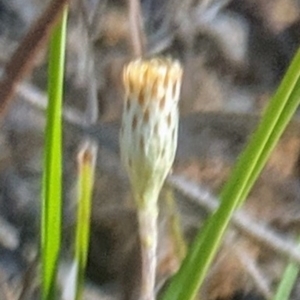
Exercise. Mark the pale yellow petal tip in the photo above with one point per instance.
(148, 73)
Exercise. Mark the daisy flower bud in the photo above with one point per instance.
(148, 136)
(148, 142)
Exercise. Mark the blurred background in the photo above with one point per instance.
(234, 54)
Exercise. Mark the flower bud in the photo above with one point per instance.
(148, 137)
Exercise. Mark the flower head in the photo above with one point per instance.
(148, 137)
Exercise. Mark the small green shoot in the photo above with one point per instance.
(86, 166)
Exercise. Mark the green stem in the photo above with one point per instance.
(175, 226)
(147, 217)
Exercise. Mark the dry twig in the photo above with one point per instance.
(137, 35)
(21, 62)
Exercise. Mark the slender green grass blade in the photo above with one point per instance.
(276, 117)
(287, 283)
(86, 163)
(51, 190)
(186, 282)
(286, 115)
